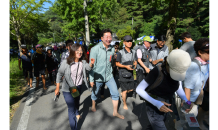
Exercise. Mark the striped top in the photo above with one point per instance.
(74, 73)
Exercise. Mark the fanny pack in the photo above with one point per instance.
(126, 74)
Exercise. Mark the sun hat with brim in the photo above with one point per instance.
(179, 61)
(147, 38)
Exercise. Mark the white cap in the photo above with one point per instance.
(179, 61)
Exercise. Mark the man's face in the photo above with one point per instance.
(147, 44)
(49, 51)
(106, 39)
(128, 43)
(39, 49)
(24, 50)
(160, 44)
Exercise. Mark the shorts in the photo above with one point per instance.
(127, 85)
(27, 71)
(205, 102)
(37, 72)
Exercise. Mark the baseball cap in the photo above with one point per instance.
(179, 61)
(147, 38)
(127, 38)
(37, 46)
(23, 46)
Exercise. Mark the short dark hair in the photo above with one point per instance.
(72, 55)
(161, 38)
(104, 31)
(199, 44)
(186, 34)
(69, 42)
(117, 43)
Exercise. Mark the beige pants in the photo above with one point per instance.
(179, 124)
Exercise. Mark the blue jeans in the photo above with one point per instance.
(73, 107)
(111, 84)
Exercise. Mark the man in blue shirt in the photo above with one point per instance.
(25, 57)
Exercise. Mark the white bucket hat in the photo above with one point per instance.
(179, 61)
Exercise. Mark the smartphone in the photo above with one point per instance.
(133, 67)
(56, 97)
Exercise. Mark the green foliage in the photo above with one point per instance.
(127, 31)
(196, 34)
(25, 22)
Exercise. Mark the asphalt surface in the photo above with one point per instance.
(46, 114)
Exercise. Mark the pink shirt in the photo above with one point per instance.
(79, 75)
(139, 52)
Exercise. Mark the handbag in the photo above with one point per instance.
(126, 74)
(73, 90)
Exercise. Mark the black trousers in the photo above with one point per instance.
(52, 75)
(156, 118)
(140, 76)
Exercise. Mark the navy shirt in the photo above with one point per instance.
(26, 60)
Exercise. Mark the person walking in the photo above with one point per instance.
(74, 71)
(144, 58)
(195, 79)
(51, 65)
(57, 54)
(103, 52)
(188, 46)
(126, 62)
(161, 83)
(25, 57)
(65, 54)
(158, 52)
(38, 59)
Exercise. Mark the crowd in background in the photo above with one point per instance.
(176, 81)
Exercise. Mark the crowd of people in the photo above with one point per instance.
(165, 80)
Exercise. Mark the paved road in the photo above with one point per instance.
(38, 111)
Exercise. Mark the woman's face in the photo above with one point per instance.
(204, 55)
(79, 52)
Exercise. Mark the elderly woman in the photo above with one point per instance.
(74, 71)
(196, 77)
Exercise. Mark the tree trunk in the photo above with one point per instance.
(171, 24)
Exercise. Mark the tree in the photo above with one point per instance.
(20, 11)
(127, 31)
(73, 12)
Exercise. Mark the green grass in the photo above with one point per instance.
(16, 79)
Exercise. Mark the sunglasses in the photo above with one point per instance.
(129, 41)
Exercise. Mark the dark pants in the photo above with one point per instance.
(73, 107)
(52, 75)
(102, 89)
(140, 76)
(27, 71)
(156, 118)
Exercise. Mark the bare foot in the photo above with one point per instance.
(78, 117)
(45, 88)
(119, 116)
(93, 109)
(125, 107)
(31, 86)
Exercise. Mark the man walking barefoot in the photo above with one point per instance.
(103, 52)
